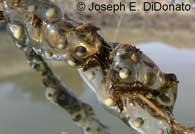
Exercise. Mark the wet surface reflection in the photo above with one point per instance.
(24, 109)
(182, 63)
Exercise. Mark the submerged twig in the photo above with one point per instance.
(112, 70)
(81, 113)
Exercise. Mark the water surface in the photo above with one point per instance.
(24, 109)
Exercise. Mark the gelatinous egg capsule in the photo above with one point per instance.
(9, 4)
(80, 51)
(48, 54)
(149, 78)
(71, 61)
(124, 73)
(139, 122)
(17, 31)
(90, 75)
(167, 98)
(108, 102)
(135, 58)
(55, 37)
(83, 48)
(31, 8)
(123, 67)
(50, 92)
(35, 29)
(49, 12)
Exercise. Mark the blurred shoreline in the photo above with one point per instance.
(23, 102)
(175, 29)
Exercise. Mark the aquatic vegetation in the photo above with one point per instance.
(127, 82)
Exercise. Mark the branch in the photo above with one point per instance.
(80, 45)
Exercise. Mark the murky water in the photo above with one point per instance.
(24, 109)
